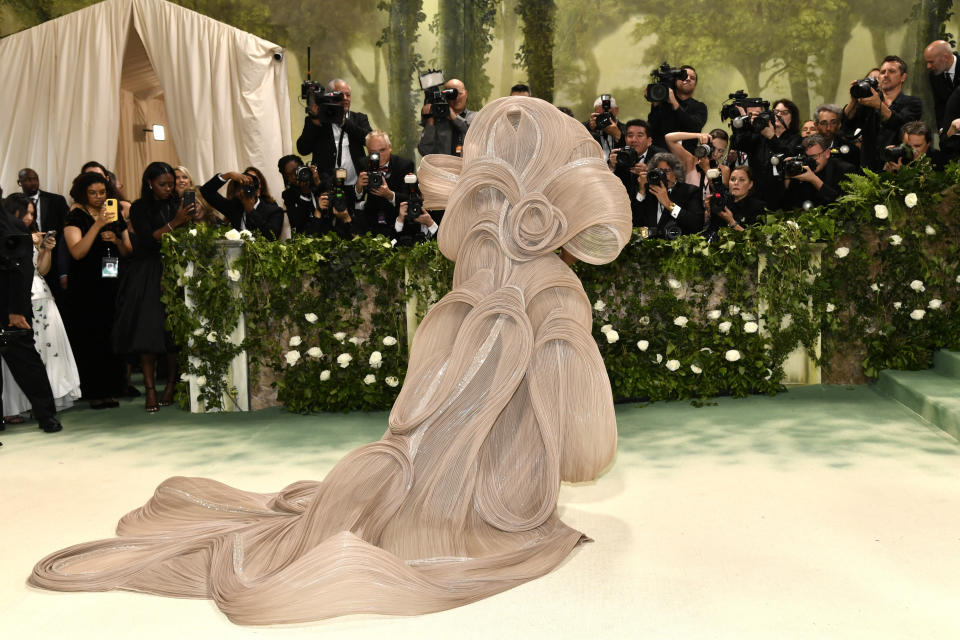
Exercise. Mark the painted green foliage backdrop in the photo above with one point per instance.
(878, 273)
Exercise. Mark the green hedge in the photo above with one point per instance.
(680, 319)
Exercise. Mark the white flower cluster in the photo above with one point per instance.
(842, 252)
(389, 341)
(680, 321)
(917, 285)
(310, 317)
(880, 211)
(610, 333)
(599, 305)
(292, 357)
(344, 360)
(910, 200)
(376, 359)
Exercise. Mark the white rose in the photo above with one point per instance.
(880, 211)
(935, 303)
(340, 336)
(233, 234)
(310, 317)
(355, 341)
(733, 309)
(874, 287)
(295, 341)
(897, 305)
(246, 235)
(369, 379)
(747, 317)
(389, 341)
(696, 369)
(672, 365)
(910, 200)
(612, 336)
(643, 345)
(842, 252)
(724, 327)
(292, 357)
(917, 285)
(673, 283)
(895, 240)
(233, 274)
(659, 358)
(599, 305)
(198, 331)
(324, 375)
(917, 314)
(392, 381)
(830, 307)
(751, 327)
(201, 380)
(680, 321)
(714, 314)
(605, 328)
(930, 231)
(344, 360)
(376, 359)
(645, 320)
(732, 355)
(192, 232)
(212, 336)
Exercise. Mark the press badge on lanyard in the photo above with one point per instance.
(109, 267)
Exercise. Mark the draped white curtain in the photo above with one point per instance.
(223, 92)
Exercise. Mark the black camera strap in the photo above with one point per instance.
(340, 147)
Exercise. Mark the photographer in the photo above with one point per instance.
(603, 124)
(755, 141)
(630, 161)
(880, 109)
(680, 111)
(709, 152)
(445, 134)
(666, 207)
(916, 142)
(248, 204)
(380, 188)
(737, 209)
(819, 181)
(828, 119)
(334, 134)
(302, 188)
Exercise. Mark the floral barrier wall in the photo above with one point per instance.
(877, 275)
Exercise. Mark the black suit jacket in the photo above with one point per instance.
(629, 179)
(319, 141)
(942, 88)
(664, 119)
(266, 218)
(378, 215)
(687, 196)
(877, 133)
(799, 192)
(16, 267)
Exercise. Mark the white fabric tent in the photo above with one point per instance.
(86, 85)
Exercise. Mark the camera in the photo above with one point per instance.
(338, 198)
(627, 158)
(250, 189)
(656, 177)
(670, 230)
(375, 178)
(666, 79)
(411, 233)
(435, 95)
(330, 105)
(703, 150)
(304, 174)
(729, 110)
(864, 88)
(795, 165)
(720, 197)
(605, 118)
(901, 153)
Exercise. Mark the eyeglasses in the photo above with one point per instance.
(828, 123)
(781, 112)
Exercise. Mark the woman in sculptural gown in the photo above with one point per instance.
(506, 396)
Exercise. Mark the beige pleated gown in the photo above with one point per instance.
(506, 395)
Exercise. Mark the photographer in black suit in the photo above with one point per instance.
(335, 145)
(248, 204)
(17, 348)
(631, 160)
(817, 185)
(380, 188)
(51, 211)
(665, 206)
(680, 111)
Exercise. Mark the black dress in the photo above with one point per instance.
(91, 300)
(140, 316)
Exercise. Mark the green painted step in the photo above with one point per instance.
(947, 363)
(933, 396)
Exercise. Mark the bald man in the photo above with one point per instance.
(941, 62)
(445, 134)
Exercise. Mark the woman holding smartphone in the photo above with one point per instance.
(141, 317)
(50, 336)
(96, 236)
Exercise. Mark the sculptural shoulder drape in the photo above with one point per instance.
(506, 396)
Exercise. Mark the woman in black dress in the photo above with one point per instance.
(744, 209)
(96, 239)
(141, 317)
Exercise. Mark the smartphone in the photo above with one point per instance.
(50, 234)
(111, 205)
(189, 199)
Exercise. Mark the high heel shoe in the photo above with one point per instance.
(151, 395)
(167, 398)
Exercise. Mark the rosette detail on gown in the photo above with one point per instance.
(506, 396)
